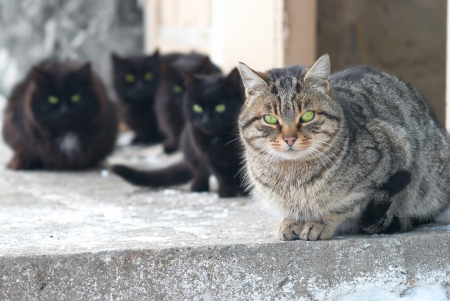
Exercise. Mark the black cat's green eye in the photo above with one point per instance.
(129, 78)
(75, 98)
(53, 100)
(177, 89)
(197, 108)
(148, 76)
(270, 119)
(220, 108)
(308, 116)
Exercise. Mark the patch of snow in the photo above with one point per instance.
(427, 292)
(104, 173)
(124, 138)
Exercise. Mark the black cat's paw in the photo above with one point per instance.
(21, 163)
(227, 192)
(199, 187)
(169, 149)
(145, 140)
(136, 141)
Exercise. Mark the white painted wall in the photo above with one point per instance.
(261, 33)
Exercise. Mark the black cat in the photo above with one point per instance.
(209, 139)
(169, 98)
(59, 117)
(136, 80)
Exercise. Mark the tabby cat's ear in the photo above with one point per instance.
(253, 83)
(320, 71)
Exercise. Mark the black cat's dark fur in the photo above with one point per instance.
(136, 80)
(169, 97)
(211, 106)
(59, 117)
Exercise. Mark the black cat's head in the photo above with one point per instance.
(172, 73)
(212, 102)
(63, 92)
(136, 78)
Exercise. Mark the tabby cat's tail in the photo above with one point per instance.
(176, 174)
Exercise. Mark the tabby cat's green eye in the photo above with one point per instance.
(308, 116)
(177, 89)
(270, 119)
(220, 108)
(197, 109)
(148, 76)
(75, 98)
(129, 78)
(53, 100)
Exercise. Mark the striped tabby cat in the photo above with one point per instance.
(358, 151)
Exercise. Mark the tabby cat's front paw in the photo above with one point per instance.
(288, 230)
(316, 231)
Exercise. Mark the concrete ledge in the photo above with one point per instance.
(265, 271)
(91, 236)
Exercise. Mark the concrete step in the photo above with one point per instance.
(91, 236)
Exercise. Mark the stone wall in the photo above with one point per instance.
(33, 30)
(405, 37)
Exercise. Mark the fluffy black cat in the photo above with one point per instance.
(59, 117)
(136, 80)
(211, 106)
(169, 98)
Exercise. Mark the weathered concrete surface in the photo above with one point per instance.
(90, 236)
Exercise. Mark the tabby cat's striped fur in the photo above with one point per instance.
(373, 159)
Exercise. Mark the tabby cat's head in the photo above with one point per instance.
(63, 93)
(212, 102)
(290, 113)
(136, 78)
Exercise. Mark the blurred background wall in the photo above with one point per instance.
(33, 30)
(405, 37)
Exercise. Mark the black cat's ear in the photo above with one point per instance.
(39, 76)
(117, 61)
(84, 71)
(189, 80)
(166, 69)
(320, 71)
(253, 82)
(115, 57)
(152, 60)
(155, 54)
(233, 80)
(206, 65)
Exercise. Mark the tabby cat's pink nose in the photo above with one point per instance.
(290, 140)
